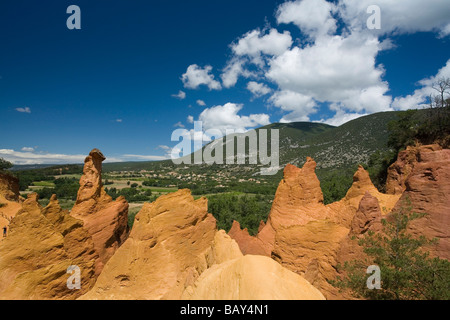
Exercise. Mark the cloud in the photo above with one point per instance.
(167, 150)
(233, 70)
(180, 95)
(420, 97)
(226, 117)
(445, 31)
(28, 157)
(255, 43)
(119, 120)
(258, 89)
(341, 117)
(334, 62)
(163, 147)
(298, 105)
(250, 49)
(335, 69)
(400, 16)
(27, 149)
(179, 125)
(313, 17)
(190, 119)
(23, 110)
(137, 157)
(201, 103)
(196, 76)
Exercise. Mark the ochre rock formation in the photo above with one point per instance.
(427, 190)
(299, 198)
(310, 250)
(346, 208)
(105, 220)
(247, 243)
(305, 235)
(41, 245)
(299, 201)
(399, 172)
(9, 187)
(367, 218)
(10, 200)
(251, 278)
(172, 242)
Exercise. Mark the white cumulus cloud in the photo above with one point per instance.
(420, 97)
(227, 117)
(313, 17)
(196, 76)
(258, 89)
(399, 16)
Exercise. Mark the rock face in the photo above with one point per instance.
(175, 252)
(305, 235)
(172, 242)
(368, 217)
(9, 187)
(299, 198)
(10, 201)
(251, 278)
(346, 208)
(399, 172)
(247, 243)
(299, 201)
(310, 250)
(41, 245)
(105, 220)
(427, 190)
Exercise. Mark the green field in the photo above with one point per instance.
(48, 184)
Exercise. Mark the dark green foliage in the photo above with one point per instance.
(5, 165)
(248, 210)
(403, 131)
(335, 184)
(150, 183)
(378, 166)
(407, 271)
(134, 185)
(425, 126)
(27, 177)
(131, 194)
(65, 188)
(132, 215)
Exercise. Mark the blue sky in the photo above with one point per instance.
(113, 85)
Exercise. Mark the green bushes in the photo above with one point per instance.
(378, 166)
(131, 194)
(407, 271)
(65, 188)
(423, 126)
(335, 184)
(5, 165)
(248, 210)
